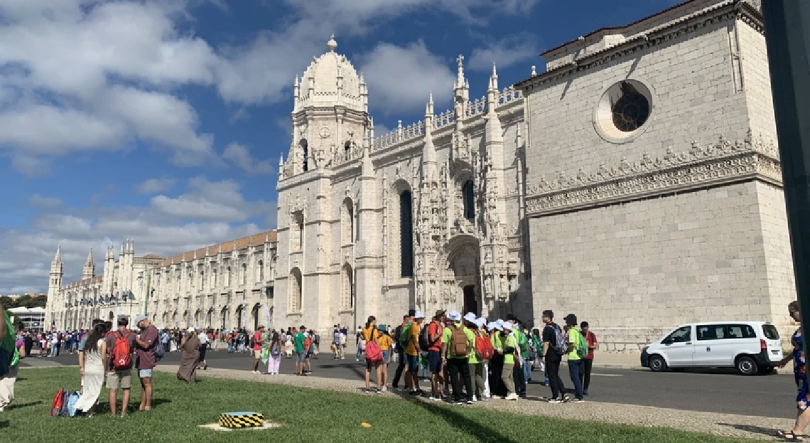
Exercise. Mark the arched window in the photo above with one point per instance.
(202, 279)
(243, 274)
(297, 231)
(260, 271)
(214, 278)
(346, 288)
(406, 233)
(295, 291)
(305, 155)
(347, 222)
(228, 276)
(469, 200)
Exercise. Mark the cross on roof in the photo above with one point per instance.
(460, 60)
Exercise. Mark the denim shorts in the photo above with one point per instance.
(435, 361)
(301, 356)
(413, 363)
(145, 373)
(386, 357)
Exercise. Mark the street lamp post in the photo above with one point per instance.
(787, 32)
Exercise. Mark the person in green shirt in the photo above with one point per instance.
(456, 354)
(16, 350)
(300, 352)
(574, 360)
(520, 373)
(475, 361)
(537, 340)
(509, 347)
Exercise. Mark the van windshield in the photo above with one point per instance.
(770, 332)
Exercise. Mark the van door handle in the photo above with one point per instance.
(689, 343)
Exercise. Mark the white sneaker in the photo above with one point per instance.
(474, 399)
(512, 397)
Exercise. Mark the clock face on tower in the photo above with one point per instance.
(325, 132)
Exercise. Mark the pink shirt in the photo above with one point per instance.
(257, 341)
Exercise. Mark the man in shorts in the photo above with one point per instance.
(412, 353)
(257, 348)
(435, 330)
(146, 360)
(121, 377)
(300, 350)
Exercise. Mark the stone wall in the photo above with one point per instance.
(636, 269)
(694, 98)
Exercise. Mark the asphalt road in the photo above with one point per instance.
(710, 391)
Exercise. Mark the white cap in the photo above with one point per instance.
(470, 317)
(481, 322)
(507, 326)
(491, 325)
(190, 330)
(418, 315)
(454, 316)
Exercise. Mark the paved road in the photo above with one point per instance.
(709, 391)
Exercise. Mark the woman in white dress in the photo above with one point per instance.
(95, 352)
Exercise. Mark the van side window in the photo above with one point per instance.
(711, 332)
(741, 331)
(681, 335)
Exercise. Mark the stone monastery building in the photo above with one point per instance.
(634, 182)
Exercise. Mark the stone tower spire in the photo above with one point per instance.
(89, 270)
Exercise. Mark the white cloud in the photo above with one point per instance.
(39, 201)
(401, 78)
(169, 225)
(241, 158)
(505, 52)
(206, 200)
(154, 185)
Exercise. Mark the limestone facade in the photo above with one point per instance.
(426, 217)
(119, 290)
(223, 286)
(679, 219)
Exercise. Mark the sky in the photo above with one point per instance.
(163, 121)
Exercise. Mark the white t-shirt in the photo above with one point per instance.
(203, 338)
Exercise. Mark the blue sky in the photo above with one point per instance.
(164, 121)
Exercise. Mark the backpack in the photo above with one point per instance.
(582, 346)
(403, 336)
(373, 351)
(65, 411)
(459, 346)
(483, 345)
(424, 337)
(73, 398)
(58, 403)
(121, 352)
(560, 345)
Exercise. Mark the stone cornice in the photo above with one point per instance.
(734, 9)
(700, 167)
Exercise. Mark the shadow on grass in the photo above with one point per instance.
(3, 424)
(23, 405)
(453, 418)
(770, 432)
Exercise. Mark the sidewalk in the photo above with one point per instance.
(728, 425)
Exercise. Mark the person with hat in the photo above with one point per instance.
(509, 347)
(386, 342)
(434, 332)
(519, 373)
(574, 359)
(189, 357)
(406, 319)
(496, 387)
(457, 344)
(146, 342)
(476, 360)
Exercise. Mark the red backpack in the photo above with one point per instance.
(483, 345)
(121, 352)
(58, 403)
(373, 351)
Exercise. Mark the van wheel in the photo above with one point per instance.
(746, 365)
(657, 364)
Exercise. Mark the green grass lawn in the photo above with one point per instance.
(306, 415)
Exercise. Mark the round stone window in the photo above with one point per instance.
(624, 111)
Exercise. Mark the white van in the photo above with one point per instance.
(750, 346)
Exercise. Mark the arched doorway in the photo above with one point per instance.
(209, 318)
(255, 314)
(240, 314)
(111, 317)
(225, 318)
(463, 272)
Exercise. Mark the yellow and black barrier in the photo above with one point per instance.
(241, 419)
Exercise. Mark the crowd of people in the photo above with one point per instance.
(477, 358)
